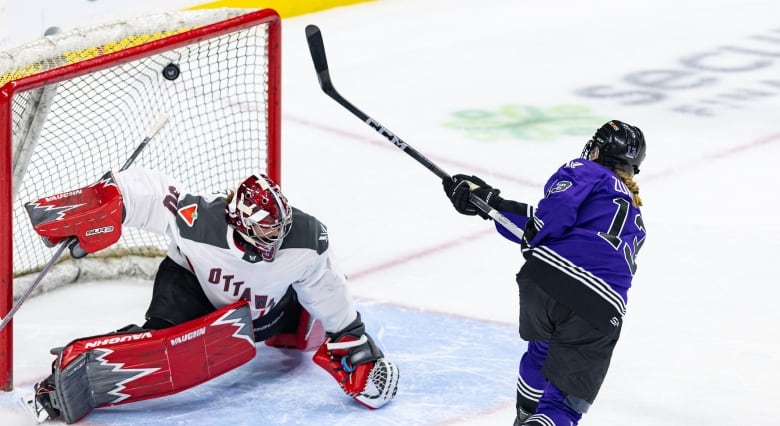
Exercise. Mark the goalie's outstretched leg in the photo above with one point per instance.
(141, 361)
(299, 330)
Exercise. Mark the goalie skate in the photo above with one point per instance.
(34, 408)
(39, 405)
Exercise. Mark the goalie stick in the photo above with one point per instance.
(161, 120)
(317, 50)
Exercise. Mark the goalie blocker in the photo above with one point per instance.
(135, 364)
(93, 215)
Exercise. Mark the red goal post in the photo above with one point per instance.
(75, 105)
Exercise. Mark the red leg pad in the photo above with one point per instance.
(120, 368)
(309, 335)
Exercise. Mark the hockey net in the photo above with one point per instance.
(75, 105)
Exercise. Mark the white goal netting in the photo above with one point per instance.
(94, 93)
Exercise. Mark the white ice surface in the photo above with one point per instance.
(700, 342)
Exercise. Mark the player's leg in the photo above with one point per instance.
(577, 361)
(556, 409)
(296, 329)
(530, 380)
(177, 297)
(536, 329)
(144, 363)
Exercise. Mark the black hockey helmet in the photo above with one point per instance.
(621, 146)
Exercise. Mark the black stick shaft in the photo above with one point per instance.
(70, 240)
(317, 49)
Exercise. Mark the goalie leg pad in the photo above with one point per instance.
(121, 368)
(301, 331)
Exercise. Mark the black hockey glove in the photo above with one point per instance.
(458, 190)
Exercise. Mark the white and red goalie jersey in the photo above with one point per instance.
(202, 241)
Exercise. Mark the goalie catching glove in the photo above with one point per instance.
(358, 365)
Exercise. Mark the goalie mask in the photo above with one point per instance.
(260, 214)
(621, 146)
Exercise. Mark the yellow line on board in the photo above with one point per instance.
(285, 8)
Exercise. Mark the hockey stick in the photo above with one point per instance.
(317, 49)
(161, 120)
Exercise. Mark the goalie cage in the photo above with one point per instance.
(75, 105)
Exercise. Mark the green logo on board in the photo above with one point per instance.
(526, 122)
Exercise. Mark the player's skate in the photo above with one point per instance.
(522, 415)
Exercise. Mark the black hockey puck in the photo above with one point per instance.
(52, 31)
(171, 72)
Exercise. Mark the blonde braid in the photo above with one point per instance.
(632, 186)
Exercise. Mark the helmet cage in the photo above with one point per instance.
(260, 214)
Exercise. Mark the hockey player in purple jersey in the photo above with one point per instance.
(580, 246)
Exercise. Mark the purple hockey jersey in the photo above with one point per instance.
(588, 233)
